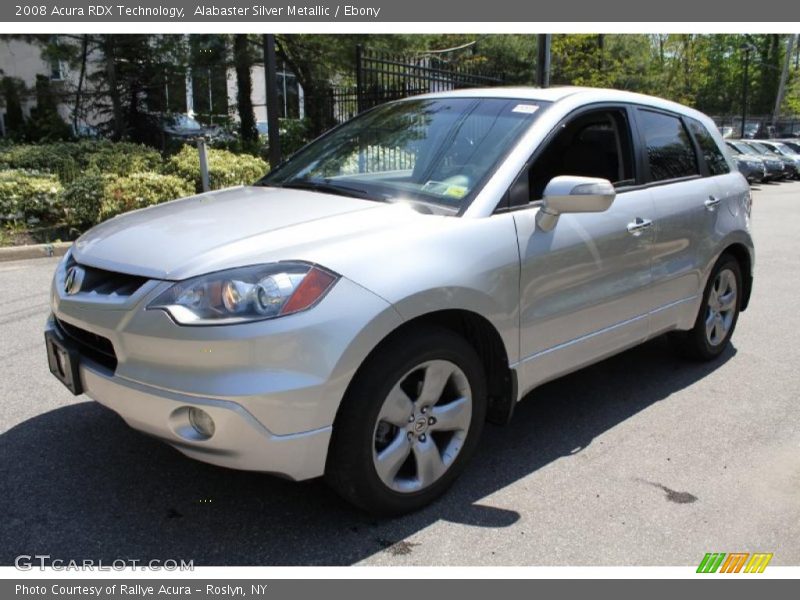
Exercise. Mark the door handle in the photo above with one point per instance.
(638, 226)
(712, 202)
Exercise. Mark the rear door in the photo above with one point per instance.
(686, 204)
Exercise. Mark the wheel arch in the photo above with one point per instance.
(483, 337)
(743, 256)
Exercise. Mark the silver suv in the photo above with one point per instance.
(362, 310)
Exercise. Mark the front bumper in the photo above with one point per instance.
(272, 388)
(240, 441)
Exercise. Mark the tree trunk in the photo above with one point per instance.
(243, 62)
(76, 111)
(316, 90)
(109, 51)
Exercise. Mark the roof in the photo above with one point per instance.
(555, 94)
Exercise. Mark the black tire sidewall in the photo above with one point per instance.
(699, 340)
(350, 460)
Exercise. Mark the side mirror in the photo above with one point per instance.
(571, 194)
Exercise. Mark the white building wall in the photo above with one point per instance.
(23, 60)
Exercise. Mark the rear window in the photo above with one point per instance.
(715, 161)
(670, 153)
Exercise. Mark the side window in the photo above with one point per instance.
(669, 150)
(715, 161)
(595, 144)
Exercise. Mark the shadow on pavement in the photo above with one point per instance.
(77, 483)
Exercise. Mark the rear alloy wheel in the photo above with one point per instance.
(721, 307)
(409, 423)
(718, 313)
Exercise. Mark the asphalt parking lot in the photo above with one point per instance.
(643, 459)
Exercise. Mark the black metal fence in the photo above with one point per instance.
(382, 77)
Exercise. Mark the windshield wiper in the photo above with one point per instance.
(329, 188)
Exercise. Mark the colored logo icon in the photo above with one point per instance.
(734, 562)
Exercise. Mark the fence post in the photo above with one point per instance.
(359, 78)
(201, 151)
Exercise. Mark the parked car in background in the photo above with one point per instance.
(793, 143)
(749, 165)
(182, 126)
(790, 168)
(773, 164)
(363, 309)
(726, 132)
(786, 152)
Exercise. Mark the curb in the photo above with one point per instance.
(34, 251)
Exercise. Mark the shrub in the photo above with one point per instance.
(69, 159)
(82, 198)
(53, 158)
(294, 134)
(139, 190)
(122, 158)
(225, 169)
(29, 196)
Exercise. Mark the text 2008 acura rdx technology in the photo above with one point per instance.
(361, 311)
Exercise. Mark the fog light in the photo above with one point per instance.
(201, 421)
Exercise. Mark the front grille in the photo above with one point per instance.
(108, 283)
(93, 346)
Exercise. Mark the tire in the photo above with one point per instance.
(717, 317)
(371, 434)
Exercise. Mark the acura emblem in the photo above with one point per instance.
(72, 284)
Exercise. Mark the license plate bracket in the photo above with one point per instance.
(63, 362)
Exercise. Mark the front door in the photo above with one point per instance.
(585, 286)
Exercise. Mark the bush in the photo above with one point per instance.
(82, 199)
(294, 134)
(139, 190)
(29, 196)
(52, 158)
(122, 158)
(225, 169)
(69, 159)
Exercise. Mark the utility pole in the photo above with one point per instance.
(543, 60)
(271, 79)
(784, 76)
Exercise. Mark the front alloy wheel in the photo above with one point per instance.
(422, 426)
(409, 422)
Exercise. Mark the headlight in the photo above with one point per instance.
(246, 294)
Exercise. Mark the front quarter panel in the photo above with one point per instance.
(442, 263)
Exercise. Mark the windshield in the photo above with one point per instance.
(437, 150)
(783, 149)
(742, 148)
(793, 146)
(185, 122)
(761, 149)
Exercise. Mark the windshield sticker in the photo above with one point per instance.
(528, 109)
(440, 188)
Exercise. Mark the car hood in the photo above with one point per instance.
(234, 227)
